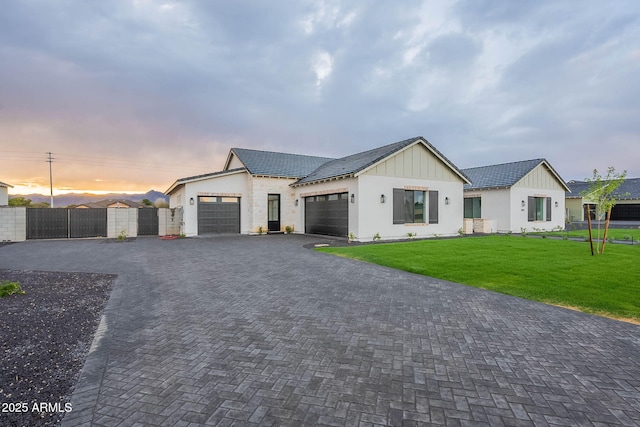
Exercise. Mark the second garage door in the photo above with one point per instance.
(327, 214)
(218, 215)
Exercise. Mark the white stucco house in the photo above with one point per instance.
(514, 196)
(4, 193)
(404, 188)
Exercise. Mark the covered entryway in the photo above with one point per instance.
(327, 214)
(218, 214)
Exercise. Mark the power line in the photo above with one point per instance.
(99, 161)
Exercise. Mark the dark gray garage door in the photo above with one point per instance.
(626, 212)
(327, 214)
(218, 215)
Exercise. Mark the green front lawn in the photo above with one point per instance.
(554, 271)
(615, 233)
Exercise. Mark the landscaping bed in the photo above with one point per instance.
(45, 336)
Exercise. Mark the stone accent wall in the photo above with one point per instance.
(13, 224)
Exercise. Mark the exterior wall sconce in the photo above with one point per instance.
(446, 200)
(522, 204)
(191, 201)
(296, 202)
(382, 198)
(556, 204)
(353, 198)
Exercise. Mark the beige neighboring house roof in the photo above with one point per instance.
(2, 184)
(110, 204)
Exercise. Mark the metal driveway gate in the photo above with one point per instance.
(148, 222)
(47, 223)
(88, 222)
(63, 223)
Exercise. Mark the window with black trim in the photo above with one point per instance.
(409, 207)
(539, 209)
(473, 207)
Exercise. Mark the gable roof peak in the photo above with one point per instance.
(505, 175)
(355, 163)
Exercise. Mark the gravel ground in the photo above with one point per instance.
(45, 336)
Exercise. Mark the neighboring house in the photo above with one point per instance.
(110, 204)
(390, 191)
(527, 195)
(4, 193)
(627, 198)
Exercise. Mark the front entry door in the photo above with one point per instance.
(273, 209)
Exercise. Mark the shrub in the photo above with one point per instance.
(10, 288)
(288, 229)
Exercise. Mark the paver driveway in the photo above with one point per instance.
(259, 331)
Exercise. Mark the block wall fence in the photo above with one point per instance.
(13, 222)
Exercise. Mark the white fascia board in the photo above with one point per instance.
(202, 178)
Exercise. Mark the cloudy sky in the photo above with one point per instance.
(133, 94)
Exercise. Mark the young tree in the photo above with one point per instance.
(601, 194)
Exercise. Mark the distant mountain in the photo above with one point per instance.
(63, 200)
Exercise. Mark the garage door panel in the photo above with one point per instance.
(218, 215)
(626, 212)
(327, 214)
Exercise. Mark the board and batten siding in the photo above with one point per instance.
(540, 178)
(414, 162)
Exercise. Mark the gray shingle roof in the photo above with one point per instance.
(311, 168)
(355, 163)
(2, 184)
(499, 176)
(628, 190)
(270, 163)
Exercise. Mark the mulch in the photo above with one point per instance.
(45, 336)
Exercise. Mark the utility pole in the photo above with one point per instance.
(50, 161)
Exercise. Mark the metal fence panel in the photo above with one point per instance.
(148, 222)
(47, 223)
(88, 222)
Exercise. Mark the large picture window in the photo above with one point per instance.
(539, 209)
(410, 206)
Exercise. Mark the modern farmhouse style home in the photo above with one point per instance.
(511, 197)
(390, 192)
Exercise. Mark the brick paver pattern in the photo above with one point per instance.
(248, 331)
